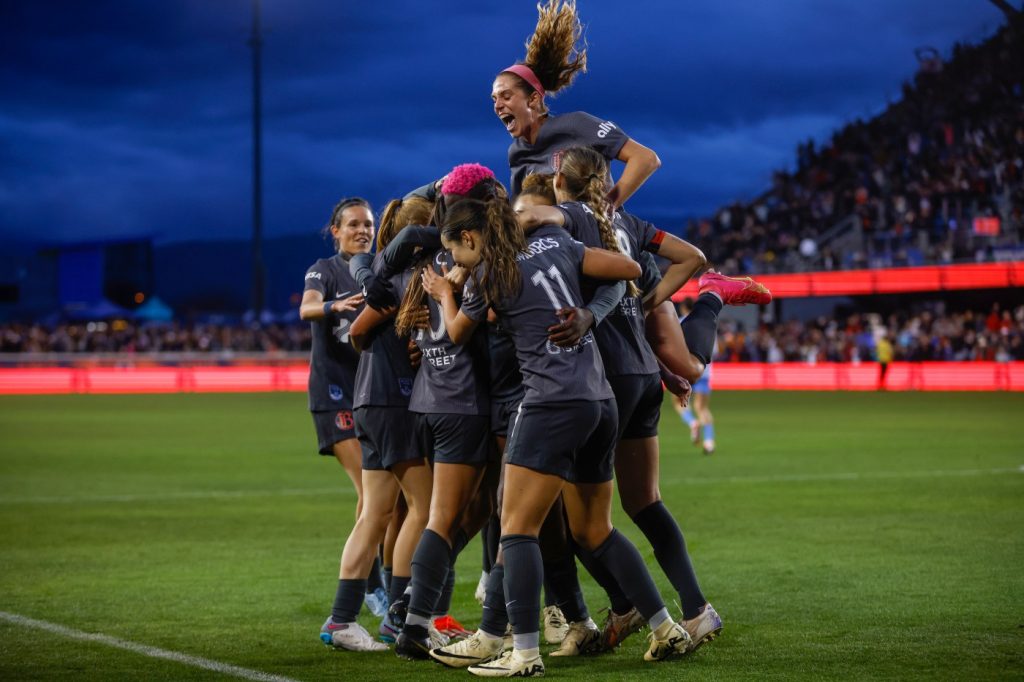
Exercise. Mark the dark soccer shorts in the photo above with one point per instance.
(638, 397)
(573, 440)
(333, 427)
(454, 438)
(387, 436)
(502, 415)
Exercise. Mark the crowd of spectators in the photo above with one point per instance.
(125, 337)
(996, 335)
(902, 188)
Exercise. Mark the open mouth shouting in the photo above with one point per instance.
(508, 120)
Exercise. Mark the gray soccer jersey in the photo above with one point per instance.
(550, 270)
(621, 335)
(384, 377)
(332, 359)
(575, 129)
(452, 379)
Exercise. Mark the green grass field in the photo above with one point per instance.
(839, 535)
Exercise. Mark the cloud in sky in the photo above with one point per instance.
(122, 118)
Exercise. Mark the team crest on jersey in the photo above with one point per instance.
(405, 386)
(334, 392)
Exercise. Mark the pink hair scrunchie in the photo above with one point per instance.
(464, 178)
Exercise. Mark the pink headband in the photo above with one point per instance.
(527, 74)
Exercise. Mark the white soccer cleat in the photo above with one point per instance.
(474, 650)
(581, 638)
(555, 626)
(709, 446)
(676, 641)
(695, 433)
(435, 638)
(353, 637)
(510, 664)
(704, 627)
(617, 628)
(481, 588)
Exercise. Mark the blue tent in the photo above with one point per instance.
(154, 310)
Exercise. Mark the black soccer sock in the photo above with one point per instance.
(373, 580)
(524, 572)
(444, 602)
(348, 600)
(562, 587)
(459, 542)
(549, 590)
(429, 571)
(398, 585)
(486, 559)
(624, 562)
(662, 531)
(617, 598)
(494, 620)
(387, 579)
(493, 537)
(701, 327)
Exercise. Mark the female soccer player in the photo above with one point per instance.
(552, 62)
(330, 302)
(391, 462)
(580, 184)
(452, 411)
(561, 440)
(699, 419)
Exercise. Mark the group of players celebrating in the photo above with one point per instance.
(491, 368)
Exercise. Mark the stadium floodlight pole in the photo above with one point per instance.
(256, 42)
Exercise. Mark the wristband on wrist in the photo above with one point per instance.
(327, 308)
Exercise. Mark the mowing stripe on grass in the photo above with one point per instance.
(181, 495)
(144, 650)
(853, 476)
(775, 478)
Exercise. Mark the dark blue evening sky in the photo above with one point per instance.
(133, 118)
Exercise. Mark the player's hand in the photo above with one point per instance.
(421, 318)
(575, 323)
(434, 284)
(675, 384)
(345, 305)
(457, 276)
(415, 354)
(680, 388)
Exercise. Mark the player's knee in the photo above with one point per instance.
(591, 536)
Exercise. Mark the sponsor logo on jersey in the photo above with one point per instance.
(605, 128)
(405, 386)
(585, 340)
(342, 294)
(335, 392)
(343, 420)
(313, 275)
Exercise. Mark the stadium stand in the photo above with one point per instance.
(938, 177)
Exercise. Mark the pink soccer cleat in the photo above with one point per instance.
(734, 290)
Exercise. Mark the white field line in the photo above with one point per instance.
(142, 649)
(298, 492)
